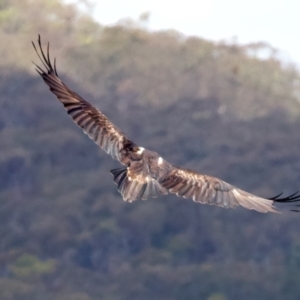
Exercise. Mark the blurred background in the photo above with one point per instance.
(215, 105)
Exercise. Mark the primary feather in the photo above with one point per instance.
(146, 173)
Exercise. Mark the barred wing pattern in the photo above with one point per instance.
(210, 190)
(154, 175)
(93, 122)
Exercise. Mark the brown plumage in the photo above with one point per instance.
(146, 173)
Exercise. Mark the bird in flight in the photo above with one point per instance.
(146, 174)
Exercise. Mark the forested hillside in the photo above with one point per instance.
(218, 108)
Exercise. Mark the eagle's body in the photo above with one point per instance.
(142, 178)
(146, 174)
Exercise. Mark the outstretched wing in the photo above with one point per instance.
(93, 122)
(210, 190)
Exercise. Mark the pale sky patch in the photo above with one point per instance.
(273, 21)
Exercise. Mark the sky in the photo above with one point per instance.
(272, 21)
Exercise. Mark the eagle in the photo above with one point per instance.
(146, 174)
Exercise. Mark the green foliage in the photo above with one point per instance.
(29, 266)
(216, 296)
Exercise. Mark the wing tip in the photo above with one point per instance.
(295, 197)
(45, 59)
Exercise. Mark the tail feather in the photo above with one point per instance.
(132, 190)
(153, 189)
(119, 176)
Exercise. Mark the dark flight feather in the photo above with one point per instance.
(93, 122)
(147, 174)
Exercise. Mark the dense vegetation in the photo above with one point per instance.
(217, 108)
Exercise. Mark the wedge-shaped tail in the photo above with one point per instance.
(133, 189)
